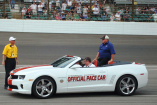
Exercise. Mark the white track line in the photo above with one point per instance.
(151, 69)
(119, 97)
(151, 66)
(146, 95)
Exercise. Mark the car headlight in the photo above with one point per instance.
(21, 76)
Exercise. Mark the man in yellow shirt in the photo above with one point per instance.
(9, 58)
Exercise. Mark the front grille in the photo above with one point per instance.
(14, 77)
(13, 87)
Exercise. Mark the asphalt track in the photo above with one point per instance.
(35, 48)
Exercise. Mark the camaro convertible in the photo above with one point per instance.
(65, 75)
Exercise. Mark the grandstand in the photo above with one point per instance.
(143, 10)
(143, 14)
(5, 9)
(138, 1)
(54, 1)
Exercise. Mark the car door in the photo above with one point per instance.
(86, 79)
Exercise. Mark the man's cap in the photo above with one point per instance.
(12, 38)
(104, 37)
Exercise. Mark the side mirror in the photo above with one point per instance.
(75, 66)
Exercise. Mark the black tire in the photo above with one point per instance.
(126, 85)
(43, 87)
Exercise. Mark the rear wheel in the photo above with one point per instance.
(126, 85)
(43, 87)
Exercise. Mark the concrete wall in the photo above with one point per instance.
(78, 27)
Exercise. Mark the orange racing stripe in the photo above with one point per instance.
(17, 70)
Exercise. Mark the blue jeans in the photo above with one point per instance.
(103, 16)
(40, 12)
(12, 4)
(70, 7)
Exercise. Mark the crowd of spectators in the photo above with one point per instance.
(78, 11)
(126, 13)
(66, 10)
(5, 15)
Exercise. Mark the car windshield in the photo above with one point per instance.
(63, 62)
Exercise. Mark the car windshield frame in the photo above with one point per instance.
(63, 62)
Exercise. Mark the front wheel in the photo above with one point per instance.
(43, 87)
(126, 85)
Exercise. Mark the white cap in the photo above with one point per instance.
(12, 38)
(106, 37)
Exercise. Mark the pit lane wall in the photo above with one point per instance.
(78, 27)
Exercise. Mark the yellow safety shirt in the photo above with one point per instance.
(10, 51)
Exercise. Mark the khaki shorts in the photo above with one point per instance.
(34, 11)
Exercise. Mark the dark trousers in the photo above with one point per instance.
(10, 64)
(103, 61)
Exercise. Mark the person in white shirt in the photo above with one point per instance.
(152, 9)
(69, 4)
(45, 11)
(104, 2)
(24, 9)
(85, 10)
(40, 8)
(50, 5)
(34, 8)
(57, 3)
(112, 18)
(43, 3)
(95, 10)
(154, 16)
(138, 11)
(79, 9)
(88, 63)
(64, 6)
(117, 16)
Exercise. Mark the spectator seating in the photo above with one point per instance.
(7, 10)
(143, 18)
(54, 1)
(137, 18)
(138, 1)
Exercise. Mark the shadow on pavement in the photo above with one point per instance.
(67, 95)
(78, 95)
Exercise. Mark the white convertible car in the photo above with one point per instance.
(65, 76)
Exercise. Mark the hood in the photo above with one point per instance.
(31, 68)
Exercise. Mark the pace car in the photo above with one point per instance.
(66, 76)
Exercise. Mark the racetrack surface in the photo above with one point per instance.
(35, 48)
